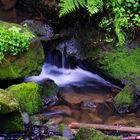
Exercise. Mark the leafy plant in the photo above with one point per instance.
(121, 15)
(14, 40)
(68, 6)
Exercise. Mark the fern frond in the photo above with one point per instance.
(94, 6)
(68, 6)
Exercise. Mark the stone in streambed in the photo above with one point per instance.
(125, 120)
(125, 101)
(76, 96)
(28, 96)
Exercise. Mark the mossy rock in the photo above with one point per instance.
(7, 102)
(50, 88)
(10, 114)
(56, 138)
(24, 64)
(12, 122)
(92, 134)
(28, 96)
(125, 100)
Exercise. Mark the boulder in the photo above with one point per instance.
(28, 96)
(24, 64)
(39, 27)
(125, 101)
(10, 114)
(92, 134)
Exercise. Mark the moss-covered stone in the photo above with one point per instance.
(92, 134)
(50, 88)
(56, 138)
(24, 64)
(125, 100)
(10, 114)
(7, 102)
(28, 96)
(12, 122)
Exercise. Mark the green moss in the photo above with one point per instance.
(10, 114)
(12, 122)
(119, 63)
(125, 100)
(92, 134)
(50, 88)
(7, 102)
(28, 96)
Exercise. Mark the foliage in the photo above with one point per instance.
(121, 15)
(68, 6)
(14, 40)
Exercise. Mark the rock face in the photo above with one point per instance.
(125, 100)
(39, 28)
(24, 64)
(10, 114)
(28, 96)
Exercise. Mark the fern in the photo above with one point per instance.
(68, 6)
(94, 6)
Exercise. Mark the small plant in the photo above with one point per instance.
(14, 40)
(121, 18)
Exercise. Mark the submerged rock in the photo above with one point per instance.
(28, 95)
(24, 64)
(92, 134)
(125, 100)
(10, 114)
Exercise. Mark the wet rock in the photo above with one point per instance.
(26, 119)
(24, 64)
(124, 120)
(125, 101)
(88, 105)
(39, 28)
(74, 96)
(10, 114)
(50, 88)
(92, 134)
(56, 119)
(28, 96)
(67, 111)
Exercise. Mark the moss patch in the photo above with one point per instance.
(12, 122)
(92, 134)
(56, 138)
(10, 114)
(125, 100)
(28, 96)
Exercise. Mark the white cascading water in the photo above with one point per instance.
(67, 76)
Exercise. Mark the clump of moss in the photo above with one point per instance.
(10, 114)
(12, 122)
(125, 100)
(92, 134)
(28, 96)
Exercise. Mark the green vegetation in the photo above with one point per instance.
(28, 95)
(10, 114)
(125, 100)
(14, 40)
(92, 134)
(122, 16)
